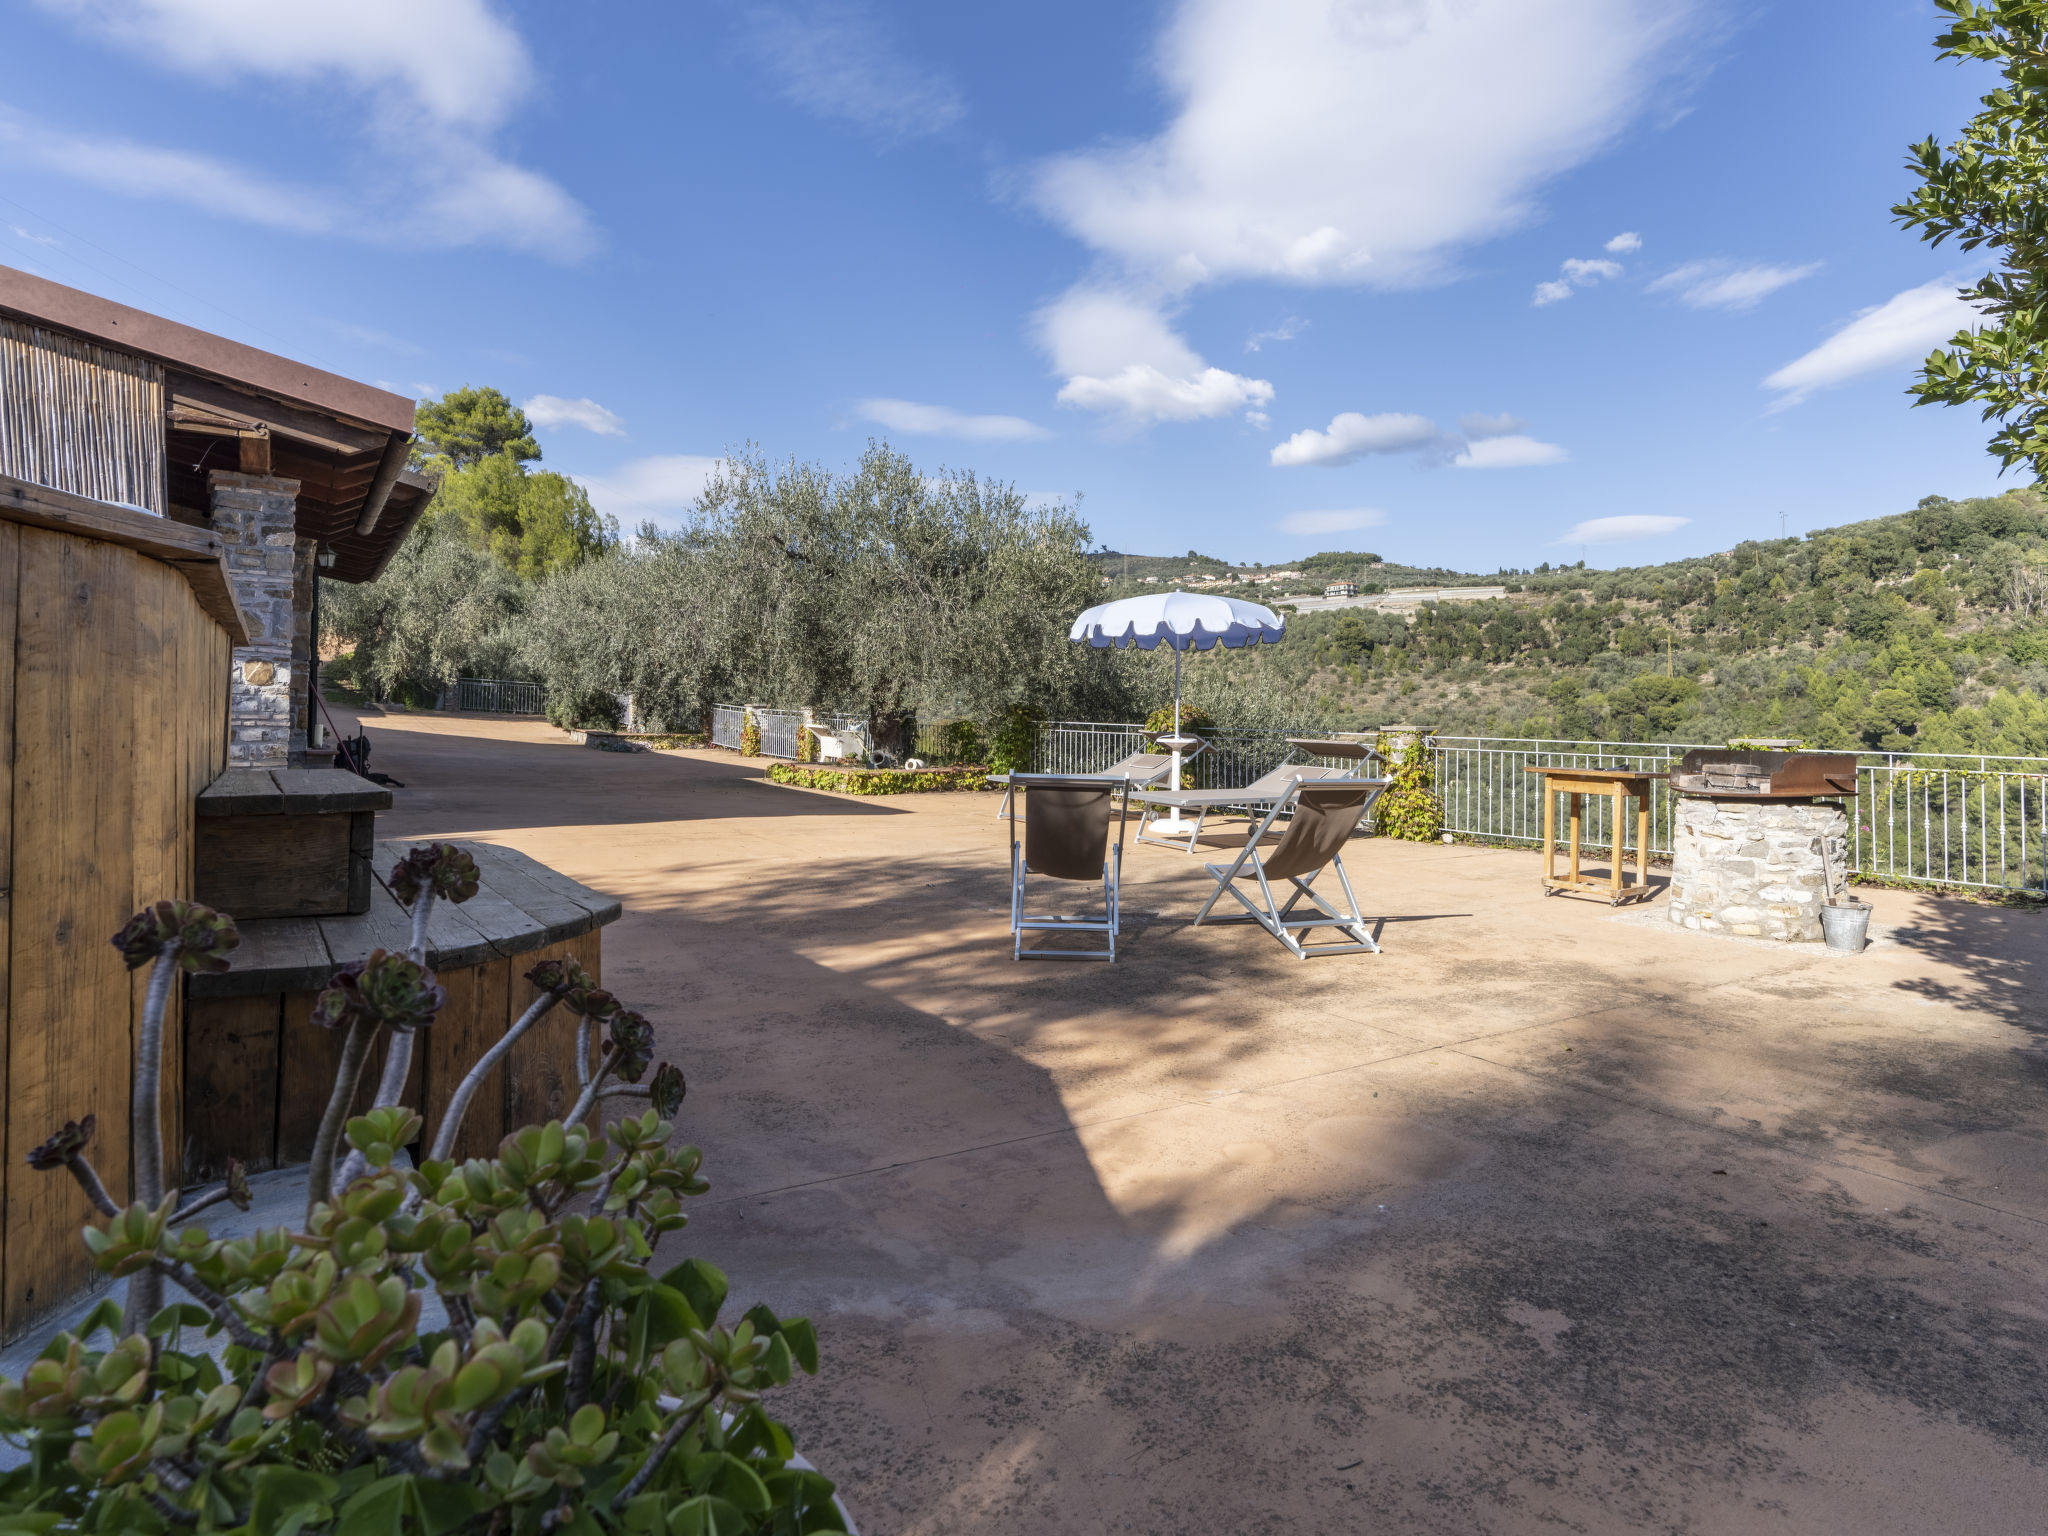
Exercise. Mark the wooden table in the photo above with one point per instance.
(1618, 783)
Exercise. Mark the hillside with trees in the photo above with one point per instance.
(903, 595)
(1918, 632)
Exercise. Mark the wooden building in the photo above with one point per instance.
(166, 499)
(295, 470)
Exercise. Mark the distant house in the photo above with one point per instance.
(1341, 589)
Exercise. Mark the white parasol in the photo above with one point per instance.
(1186, 621)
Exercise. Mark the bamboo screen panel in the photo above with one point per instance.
(81, 418)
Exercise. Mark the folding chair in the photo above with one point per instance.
(1325, 814)
(1269, 789)
(1140, 770)
(1066, 827)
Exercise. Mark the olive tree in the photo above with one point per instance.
(1986, 190)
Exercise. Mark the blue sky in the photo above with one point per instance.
(1446, 279)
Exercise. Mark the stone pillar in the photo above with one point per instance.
(1755, 867)
(256, 517)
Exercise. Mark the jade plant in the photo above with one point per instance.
(479, 1346)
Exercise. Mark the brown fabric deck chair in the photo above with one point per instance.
(1255, 799)
(1138, 771)
(1324, 816)
(1066, 824)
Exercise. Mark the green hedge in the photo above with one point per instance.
(879, 781)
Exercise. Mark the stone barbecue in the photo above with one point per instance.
(1759, 840)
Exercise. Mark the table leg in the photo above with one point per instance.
(1643, 843)
(1577, 816)
(1620, 821)
(1549, 835)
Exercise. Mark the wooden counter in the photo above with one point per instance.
(258, 1071)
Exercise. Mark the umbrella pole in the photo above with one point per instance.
(1173, 824)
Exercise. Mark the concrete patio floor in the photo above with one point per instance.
(1537, 1221)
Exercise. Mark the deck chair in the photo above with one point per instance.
(1324, 815)
(1268, 790)
(1066, 830)
(1140, 770)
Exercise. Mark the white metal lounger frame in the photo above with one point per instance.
(1278, 920)
(1217, 800)
(1022, 922)
(1123, 772)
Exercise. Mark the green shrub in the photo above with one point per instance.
(880, 781)
(1410, 808)
(960, 741)
(806, 745)
(1014, 747)
(559, 1383)
(750, 736)
(1194, 721)
(592, 710)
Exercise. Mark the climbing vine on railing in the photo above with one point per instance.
(1410, 808)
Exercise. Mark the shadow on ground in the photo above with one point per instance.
(1533, 1221)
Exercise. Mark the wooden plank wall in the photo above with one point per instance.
(81, 417)
(260, 1070)
(113, 720)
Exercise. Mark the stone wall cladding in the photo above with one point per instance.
(1753, 867)
(256, 517)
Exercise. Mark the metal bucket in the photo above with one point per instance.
(1847, 926)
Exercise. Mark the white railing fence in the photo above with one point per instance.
(1976, 822)
(779, 727)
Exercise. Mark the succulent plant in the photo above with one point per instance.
(480, 1346)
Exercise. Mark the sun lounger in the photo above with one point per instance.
(1066, 832)
(1252, 798)
(1136, 771)
(1322, 817)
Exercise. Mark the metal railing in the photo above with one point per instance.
(490, 695)
(1230, 760)
(779, 727)
(1975, 821)
(1971, 821)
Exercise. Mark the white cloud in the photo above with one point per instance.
(1338, 520)
(1512, 451)
(440, 78)
(1619, 530)
(909, 417)
(456, 59)
(660, 488)
(1286, 330)
(1323, 143)
(1337, 143)
(35, 239)
(1578, 273)
(1120, 356)
(1625, 243)
(1586, 273)
(1143, 393)
(834, 58)
(1477, 424)
(1895, 334)
(1723, 285)
(554, 411)
(1352, 435)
